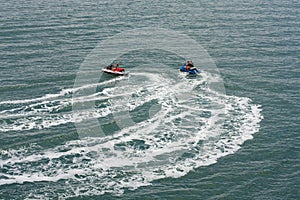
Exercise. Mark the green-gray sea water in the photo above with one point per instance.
(69, 131)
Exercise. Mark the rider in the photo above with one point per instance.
(189, 65)
(110, 66)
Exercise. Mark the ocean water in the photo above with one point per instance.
(68, 131)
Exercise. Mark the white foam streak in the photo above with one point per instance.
(63, 92)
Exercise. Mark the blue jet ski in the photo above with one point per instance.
(192, 70)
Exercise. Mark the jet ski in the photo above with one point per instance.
(191, 70)
(115, 70)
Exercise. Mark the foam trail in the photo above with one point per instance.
(61, 93)
(45, 114)
(194, 126)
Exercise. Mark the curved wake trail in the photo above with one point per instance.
(51, 109)
(188, 126)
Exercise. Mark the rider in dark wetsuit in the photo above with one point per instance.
(110, 66)
(189, 65)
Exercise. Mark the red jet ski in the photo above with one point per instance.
(115, 70)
